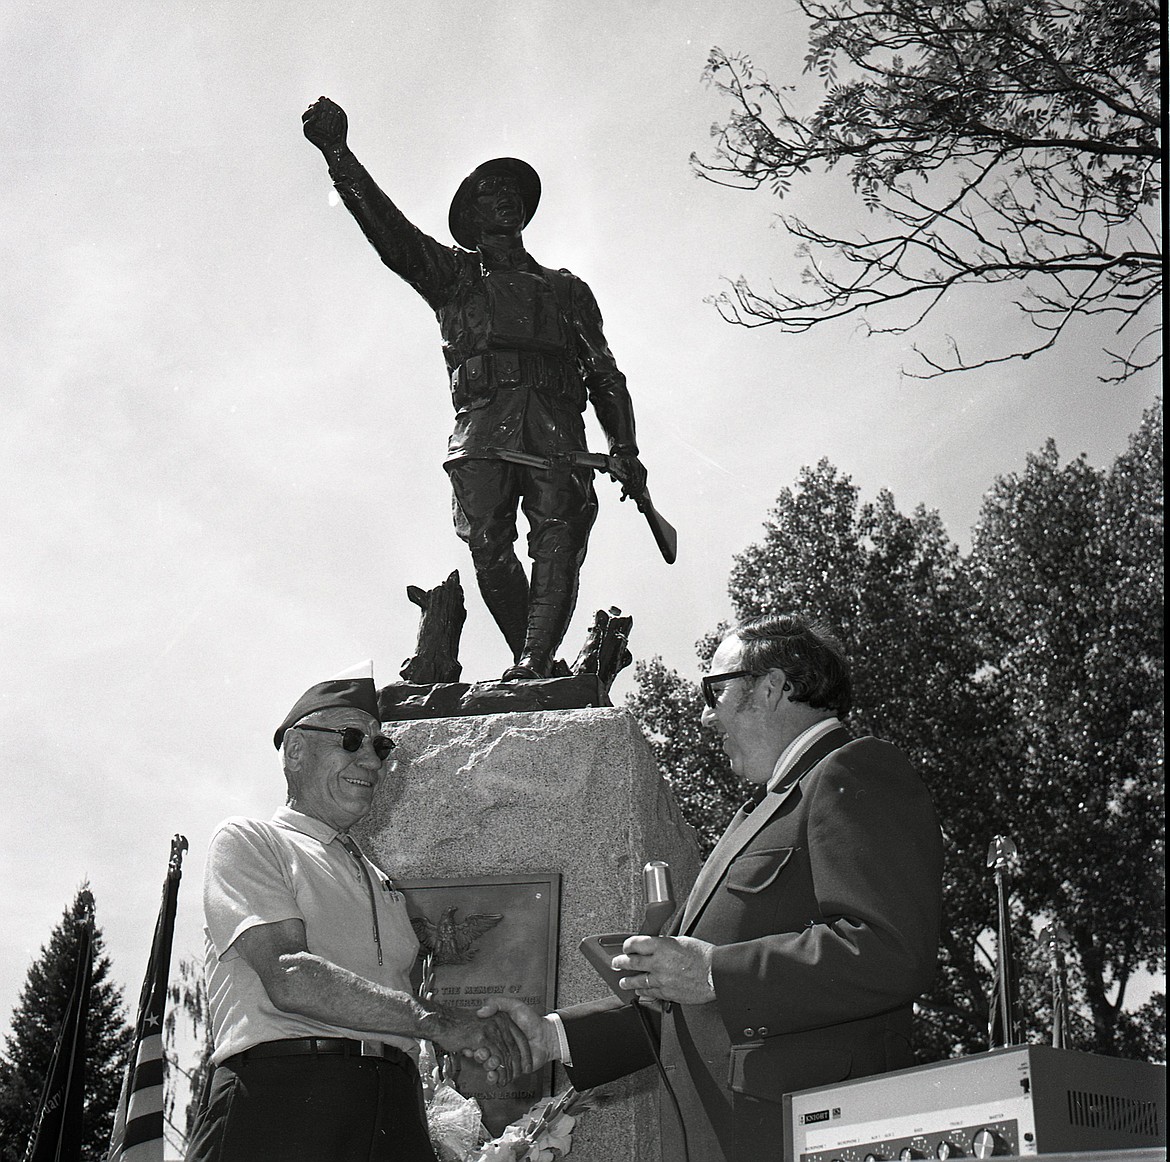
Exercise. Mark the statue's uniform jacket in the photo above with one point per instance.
(523, 344)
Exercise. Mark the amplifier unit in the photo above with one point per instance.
(1025, 1099)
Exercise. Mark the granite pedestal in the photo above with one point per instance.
(574, 791)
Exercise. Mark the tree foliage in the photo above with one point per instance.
(188, 995)
(1069, 560)
(35, 1021)
(1023, 680)
(1001, 141)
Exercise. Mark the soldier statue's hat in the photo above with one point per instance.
(526, 178)
(353, 687)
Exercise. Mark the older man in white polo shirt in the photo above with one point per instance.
(309, 951)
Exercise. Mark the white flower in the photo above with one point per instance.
(509, 1146)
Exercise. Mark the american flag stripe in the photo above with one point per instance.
(138, 1125)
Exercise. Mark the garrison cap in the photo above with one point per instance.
(353, 687)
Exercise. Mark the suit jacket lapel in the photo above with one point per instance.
(710, 872)
(745, 826)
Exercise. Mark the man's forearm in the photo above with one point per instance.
(317, 988)
(607, 1040)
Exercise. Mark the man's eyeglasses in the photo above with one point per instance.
(352, 738)
(713, 682)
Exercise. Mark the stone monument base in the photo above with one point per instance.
(408, 702)
(570, 791)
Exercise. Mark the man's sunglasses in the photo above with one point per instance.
(713, 682)
(352, 738)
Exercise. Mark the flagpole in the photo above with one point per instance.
(138, 1125)
(57, 1127)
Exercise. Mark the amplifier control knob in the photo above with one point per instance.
(908, 1152)
(873, 1158)
(945, 1150)
(987, 1143)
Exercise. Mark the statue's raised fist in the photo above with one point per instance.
(325, 123)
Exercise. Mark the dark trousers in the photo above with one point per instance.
(559, 504)
(313, 1109)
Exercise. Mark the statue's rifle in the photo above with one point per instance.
(665, 536)
(1001, 1027)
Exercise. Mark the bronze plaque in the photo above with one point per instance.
(490, 935)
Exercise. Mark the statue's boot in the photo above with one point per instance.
(551, 599)
(504, 589)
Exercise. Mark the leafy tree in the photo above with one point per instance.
(1002, 141)
(893, 586)
(35, 1021)
(966, 663)
(668, 708)
(188, 994)
(1070, 560)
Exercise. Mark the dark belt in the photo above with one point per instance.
(511, 368)
(319, 1047)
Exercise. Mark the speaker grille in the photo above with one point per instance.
(1103, 1111)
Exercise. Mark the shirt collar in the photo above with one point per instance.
(791, 754)
(296, 820)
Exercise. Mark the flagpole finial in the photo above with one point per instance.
(179, 845)
(1001, 852)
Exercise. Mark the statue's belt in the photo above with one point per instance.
(510, 368)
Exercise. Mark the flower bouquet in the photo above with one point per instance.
(455, 1122)
(544, 1134)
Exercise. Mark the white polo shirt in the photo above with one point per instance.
(294, 867)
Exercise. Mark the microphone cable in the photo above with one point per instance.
(650, 1036)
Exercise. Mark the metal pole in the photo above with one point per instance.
(998, 858)
(1055, 939)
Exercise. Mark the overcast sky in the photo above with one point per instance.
(225, 419)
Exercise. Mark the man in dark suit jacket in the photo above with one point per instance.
(810, 929)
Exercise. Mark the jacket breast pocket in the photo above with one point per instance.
(753, 871)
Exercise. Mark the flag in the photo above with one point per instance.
(138, 1124)
(56, 1133)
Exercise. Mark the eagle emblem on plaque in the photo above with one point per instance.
(452, 941)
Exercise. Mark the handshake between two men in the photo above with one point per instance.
(309, 952)
(514, 1039)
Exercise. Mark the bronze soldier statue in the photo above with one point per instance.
(525, 350)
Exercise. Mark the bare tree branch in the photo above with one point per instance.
(1006, 141)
